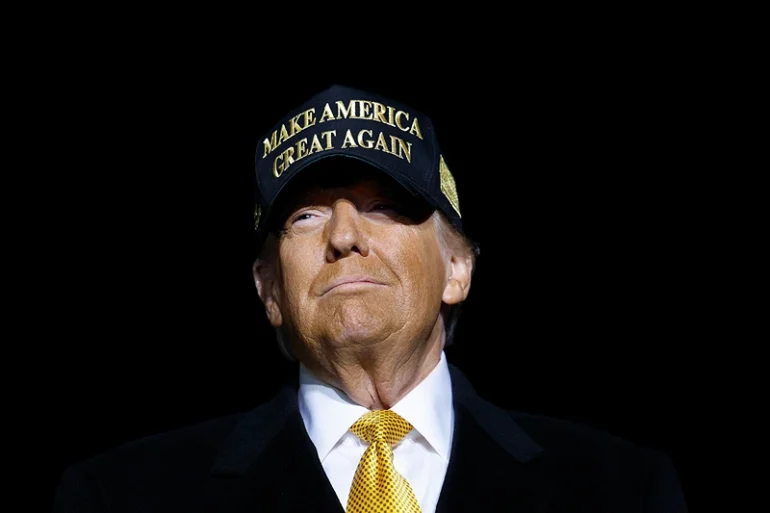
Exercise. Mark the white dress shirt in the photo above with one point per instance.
(422, 456)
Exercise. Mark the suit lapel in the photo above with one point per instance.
(269, 463)
(493, 462)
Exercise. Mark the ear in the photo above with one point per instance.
(268, 290)
(458, 282)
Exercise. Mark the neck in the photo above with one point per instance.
(378, 376)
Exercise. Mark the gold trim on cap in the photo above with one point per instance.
(448, 186)
(257, 215)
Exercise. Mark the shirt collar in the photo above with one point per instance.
(328, 412)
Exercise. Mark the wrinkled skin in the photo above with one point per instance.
(357, 280)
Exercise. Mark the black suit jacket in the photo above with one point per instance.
(264, 461)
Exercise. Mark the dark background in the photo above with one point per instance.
(586, 304)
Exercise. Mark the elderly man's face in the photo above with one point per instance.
(358, 262)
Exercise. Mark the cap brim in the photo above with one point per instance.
(298, 168)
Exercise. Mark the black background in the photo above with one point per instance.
(586, 304)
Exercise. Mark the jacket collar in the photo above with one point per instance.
(269, 458)
(496, 422)
(258, 427)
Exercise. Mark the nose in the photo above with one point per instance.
(345, 234)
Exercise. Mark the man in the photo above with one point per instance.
(363, 263)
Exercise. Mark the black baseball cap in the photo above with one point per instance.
(346, 122)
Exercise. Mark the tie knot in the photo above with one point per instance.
(381, 426)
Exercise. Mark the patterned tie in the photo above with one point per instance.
(377, 487)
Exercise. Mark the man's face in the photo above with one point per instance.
(358, 262)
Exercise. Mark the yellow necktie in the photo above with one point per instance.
(377, 487)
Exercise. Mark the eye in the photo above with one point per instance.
(302, 217)
(384, 206)
(306, 219)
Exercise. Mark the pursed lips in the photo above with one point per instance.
(344, 280)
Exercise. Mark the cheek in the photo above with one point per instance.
(296, 275)
(422, 267)
(434, 268)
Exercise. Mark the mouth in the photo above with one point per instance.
(351, 283)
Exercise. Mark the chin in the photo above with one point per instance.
(356, 323)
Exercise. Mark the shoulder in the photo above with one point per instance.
(171, 469)
(195, 443)
(161, 468)
(560, 440)
(196, 446)
(188, 451)
(576, 451)
(559, 435)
